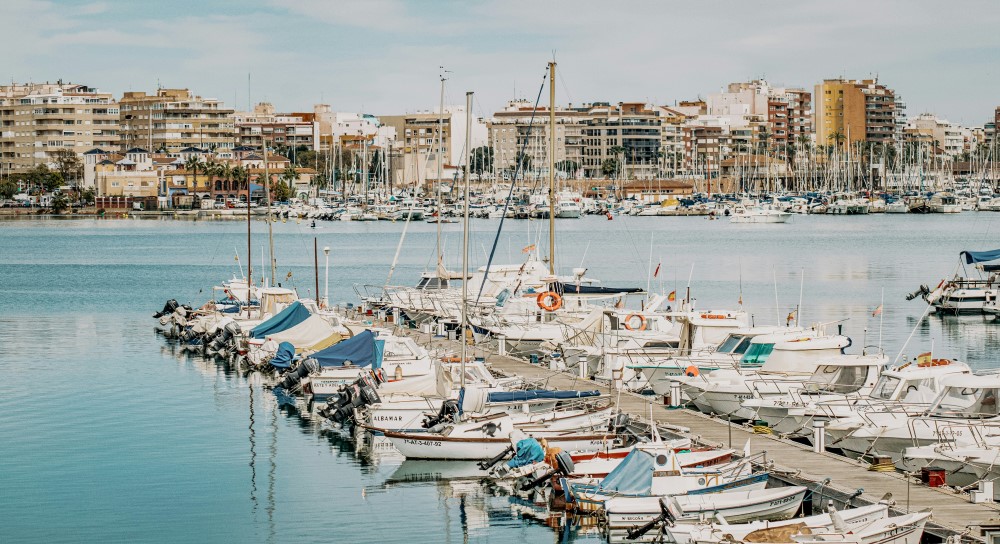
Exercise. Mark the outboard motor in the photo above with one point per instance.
(294, 377)
(619, 423)
(666, 517)
(489, 463)
(168, 308)
(564, 466)
(447, 414)
(922, 291)
(340, 409)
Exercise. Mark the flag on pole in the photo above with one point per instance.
(924, 358)
(528, 249)
(877, 311)
(236, 258)
(790, 318)
(657, 271)
(740, 300)
(672, 296)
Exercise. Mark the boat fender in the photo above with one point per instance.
(642, 322)
(691, 371)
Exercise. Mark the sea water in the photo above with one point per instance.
(109, 434)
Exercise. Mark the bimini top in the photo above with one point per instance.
(291, 316)
(361, 350)
(980, 256)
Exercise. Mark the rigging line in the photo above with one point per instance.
(513, 182)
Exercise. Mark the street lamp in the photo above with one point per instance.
(326, 282)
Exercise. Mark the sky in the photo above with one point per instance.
(385, 56)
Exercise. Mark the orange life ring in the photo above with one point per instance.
(691, 371)
(549, 301)
(451, 359)
(712, 316)
(642, 322)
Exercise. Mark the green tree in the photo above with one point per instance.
(42, 177)
(481, 160)
(7, 188)
(59, 203)
(87, 196)
(193, 164)
(281, 191)
(69, 165)
(610, 167)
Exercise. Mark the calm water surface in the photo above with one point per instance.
(109, 435)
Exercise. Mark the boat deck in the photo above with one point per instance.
(793, 462)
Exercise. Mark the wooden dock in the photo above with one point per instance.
(850, 481)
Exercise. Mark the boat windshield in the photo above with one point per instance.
(756, 354)
(837, 379)
(733, 343)
(967, 402)
(885, 387)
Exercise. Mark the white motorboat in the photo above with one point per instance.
(759, 214)
(739, 506)
(904, 529)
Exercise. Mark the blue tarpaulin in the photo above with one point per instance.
(980, 256)
(633, 476)
(537, 394)
(291, 316)
(361, 350)
(528, 451)
(283, 358)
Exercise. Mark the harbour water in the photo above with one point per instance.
(106, 434)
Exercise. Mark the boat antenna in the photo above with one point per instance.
(777, 309)
(881, 317)
(552, 167)
(910, 337)
(465, 237)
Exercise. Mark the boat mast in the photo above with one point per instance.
(249, 248)
(465, 235)
(552, 167)
(440, 157)
(267, 196)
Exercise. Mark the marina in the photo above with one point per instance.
(967, 337)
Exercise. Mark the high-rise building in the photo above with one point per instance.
(849, 111)
(175, 119)
(627, 134)
(520, 128)
(785, 113)
(416, 144)
(38, 119)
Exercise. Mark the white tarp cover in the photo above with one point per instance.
(305, 334)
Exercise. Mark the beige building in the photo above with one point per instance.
(849, 111)
(415, 149)
(513, 129)
(173, 119)
(294, 131)
(37, 119)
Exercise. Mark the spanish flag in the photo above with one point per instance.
(924, 358)
(528, 249)
(790, 318)
(672, 296)
(877, 311)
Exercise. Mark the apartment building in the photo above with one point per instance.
(627, 134)
(38, 119)
(519, 127)
(292, 131)
(850, 111)
(174, 119)
(785, 113)
(938, 134)
(415, 147)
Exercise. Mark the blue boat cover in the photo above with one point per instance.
(291, 316)
(527, 451)
(536, 394)
(283, 358)
(633, 476)
(980, 256)
(361, 350)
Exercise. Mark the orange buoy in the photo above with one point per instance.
(549, 301)
(642, 322)
(691, 371)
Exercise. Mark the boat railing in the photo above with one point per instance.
(951, 434)
(864, 405)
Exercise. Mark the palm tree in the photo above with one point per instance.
(192, 164)
(837, 138)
